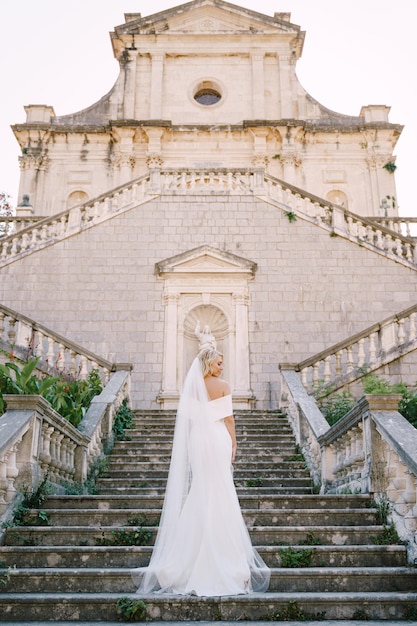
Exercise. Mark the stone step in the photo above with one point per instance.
(148, 481)
(138, 556)
(146, 489)
(252, 517)
(260, 535)
(240, 474)
(223, 623)
(248, 444)
(102, 606)
(300, 580)
(127, 463)
(268, 501)
(262, 439)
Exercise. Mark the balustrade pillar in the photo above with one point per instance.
(242, 375)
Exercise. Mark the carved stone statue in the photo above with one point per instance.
(206, 339)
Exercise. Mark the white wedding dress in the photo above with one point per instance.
(203, 546)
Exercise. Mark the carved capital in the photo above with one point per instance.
(154, 160)
(38, 162)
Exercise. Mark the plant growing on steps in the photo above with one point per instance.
(293, 557)
(292, 612)
(131, 610)
(24, 514)
(122, 421)
(387, 537)
(120, 537)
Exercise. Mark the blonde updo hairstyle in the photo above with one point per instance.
(207, 356)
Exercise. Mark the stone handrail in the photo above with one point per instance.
(368, 350)
(36, 441)
(24, 338)
(371, 450)
(407, 226)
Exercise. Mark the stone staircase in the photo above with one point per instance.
(77, 567)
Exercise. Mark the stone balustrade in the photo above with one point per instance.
(230, 181)
(52, 229)
(24, 338)
(406, 226)
(372, 449)
(382, 236)
(340, 222)
(367, 350)
(36, 441)
(14, 224)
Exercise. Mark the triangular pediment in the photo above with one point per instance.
(206, 260)
(207, 16)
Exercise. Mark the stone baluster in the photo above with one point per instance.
(50, 356)
(39, 343)
(315, 374)
(349, 359)
(4, 250)
(372, 348)
(71, 458)
(361, 352)
(12, 472)
(339, 363)
(3, 480)
(327, 369)
(400, 331)
(11, 334)
(2, 325)
(304, 373)
(412, 327)
(45, 453)
(83, 367)
(55, 464)
(60, 359)
(73, 364)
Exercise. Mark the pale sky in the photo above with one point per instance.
(357, 52)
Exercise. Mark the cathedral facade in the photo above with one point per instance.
(208, 189)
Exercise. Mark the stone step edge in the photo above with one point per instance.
(259, 547)
(340, 528)
(221, 623)
(275, 571)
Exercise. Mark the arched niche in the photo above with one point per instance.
(76, 197)
(211, 286)
(336, 196)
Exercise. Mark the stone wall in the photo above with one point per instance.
(310, 290)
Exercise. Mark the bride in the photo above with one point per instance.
(203, 546)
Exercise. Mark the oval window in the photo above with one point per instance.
(207, 97)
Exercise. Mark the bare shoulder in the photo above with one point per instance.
(225, 387)
(217, 388)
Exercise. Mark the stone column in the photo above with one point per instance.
(242, 374)
(157, 70)
(130, 84)
(32, 169)
(372, 163)
(169, 376)
(286, 96)
(289, 163)
(124, 159)
(258, 87)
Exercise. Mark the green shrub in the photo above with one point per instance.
(122, 421)
(334, 407)
(131, 610)
(70, 399)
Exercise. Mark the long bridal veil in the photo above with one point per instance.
(202, 546)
